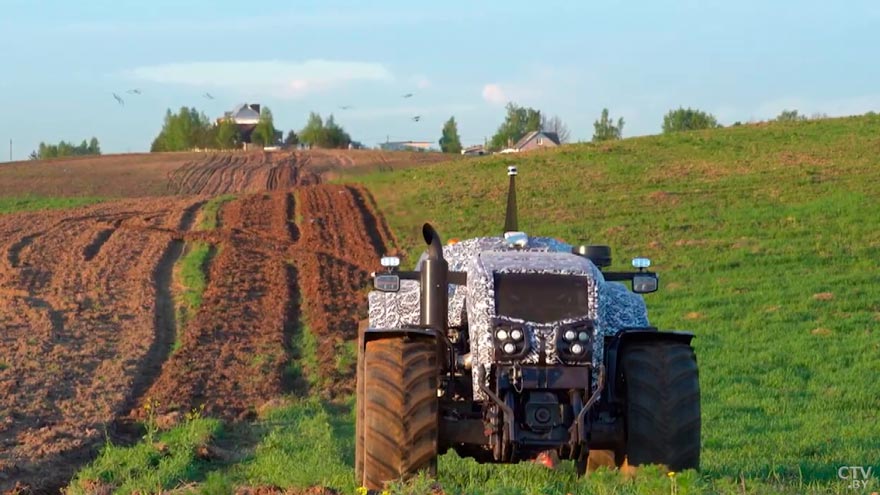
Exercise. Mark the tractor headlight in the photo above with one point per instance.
(573, 342)
(509, 340)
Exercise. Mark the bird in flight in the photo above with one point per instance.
(346, 107)
(417, 118)
(119, 99)
(208, 96)
(408, 95)
(134, 91)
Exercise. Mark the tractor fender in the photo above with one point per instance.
(614, 347)
(381, 333)
(445, 352)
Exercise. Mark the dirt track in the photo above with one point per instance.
(88, 316)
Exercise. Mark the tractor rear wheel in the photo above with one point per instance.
(359, 419)
(400, 409)
(662, 405)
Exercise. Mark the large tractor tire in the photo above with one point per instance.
(359, 418)
(400, 409)
(662, 405)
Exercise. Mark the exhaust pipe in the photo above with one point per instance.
(510, 223)
(434, 278)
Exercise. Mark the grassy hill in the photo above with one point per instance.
(767, 239)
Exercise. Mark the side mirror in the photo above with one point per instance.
(386, 282)
(644, 283)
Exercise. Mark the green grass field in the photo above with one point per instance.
(766, 239)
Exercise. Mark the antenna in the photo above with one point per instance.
(510, 217)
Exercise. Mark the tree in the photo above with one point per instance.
(450, 142)
(688, 119)
(228, 136)
(334, 135)
(790, 116)
(604, 128)
(264, 132)
(292, 139)
(311, 133)
(518, 122)
(555, 125)
(94, 146)
(185, 130)
(324, 134)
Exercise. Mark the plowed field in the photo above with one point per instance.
(155, 174)
(87, 307)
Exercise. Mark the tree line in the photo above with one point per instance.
(519, 121)
(63, 148)
(190, 129)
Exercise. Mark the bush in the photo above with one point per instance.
(688, 119)
(790, 116)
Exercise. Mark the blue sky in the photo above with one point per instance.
(745, 60)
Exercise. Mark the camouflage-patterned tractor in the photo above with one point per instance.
(501, 348)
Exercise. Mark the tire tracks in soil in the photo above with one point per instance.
(75, 334)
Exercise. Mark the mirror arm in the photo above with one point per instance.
(454, 278)
(622, 276)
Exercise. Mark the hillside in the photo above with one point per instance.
(766, 238)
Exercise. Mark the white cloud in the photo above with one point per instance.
(494, 94)
(281, 78)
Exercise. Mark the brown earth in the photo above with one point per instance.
(157, 174)
(87, 307)
(83, 321)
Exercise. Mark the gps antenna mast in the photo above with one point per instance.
(510, 224)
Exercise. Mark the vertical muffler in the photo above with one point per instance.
(434, 275)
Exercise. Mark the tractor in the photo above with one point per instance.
(504, 347)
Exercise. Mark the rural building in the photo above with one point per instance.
(476, 150)
(406, 145)
(246, 116)
(537, 139)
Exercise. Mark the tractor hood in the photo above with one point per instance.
(560, 263)
(535, 287)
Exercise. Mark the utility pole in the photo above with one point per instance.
(10, 149)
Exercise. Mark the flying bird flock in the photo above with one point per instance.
(209, 96)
